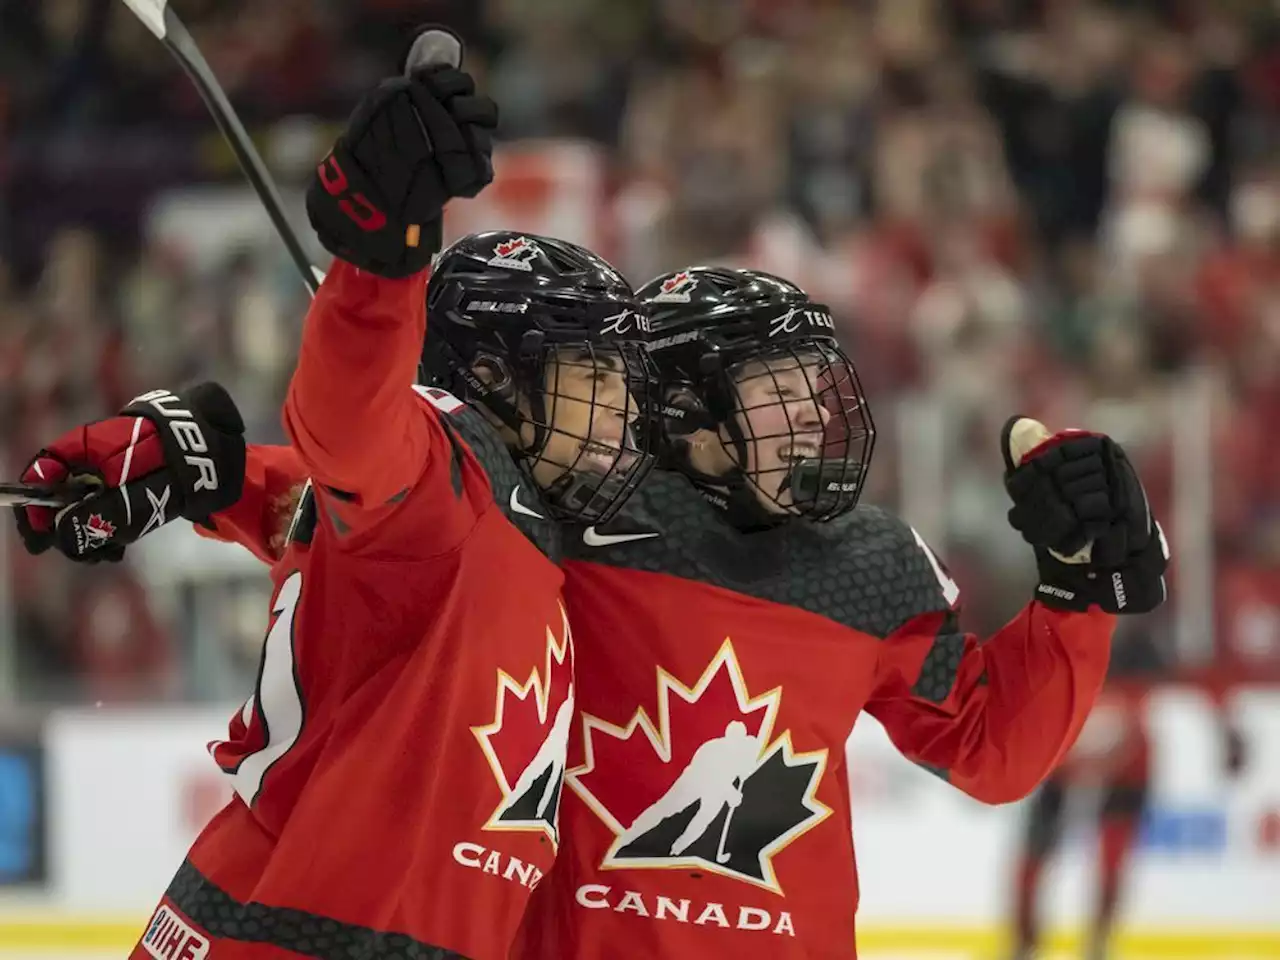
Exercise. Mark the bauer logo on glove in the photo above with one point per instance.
(1079, 503)
(166, 456)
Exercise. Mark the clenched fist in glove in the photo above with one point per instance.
(377, 200)
(1078, 501)
(166, 456)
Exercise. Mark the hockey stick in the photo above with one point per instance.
(723, 855)
(157, 17)
(40, 495)
(432, 47)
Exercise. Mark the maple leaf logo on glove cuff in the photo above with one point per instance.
(709, 786)
(98, 532)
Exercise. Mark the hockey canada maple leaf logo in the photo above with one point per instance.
(98, 531)
(516, 254)
(527, 741)
(676, 288)
(708, 785)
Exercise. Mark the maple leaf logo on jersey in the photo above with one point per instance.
(676, 289)
(527, 741)
(515, 254)
(708, 786)
(98, 531)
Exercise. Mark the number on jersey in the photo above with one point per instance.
(271, 720)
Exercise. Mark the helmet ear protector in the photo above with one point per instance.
(687, 410)
(493, 371)
(684, 413)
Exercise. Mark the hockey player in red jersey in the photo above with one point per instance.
(739, 614)
(397, 769)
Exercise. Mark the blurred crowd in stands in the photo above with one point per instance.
(1069, 208)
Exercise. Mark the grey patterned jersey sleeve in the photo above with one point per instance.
(931, 592)
(892, 577)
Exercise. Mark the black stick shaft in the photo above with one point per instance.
(185, 51)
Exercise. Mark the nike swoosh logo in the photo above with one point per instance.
(594, 539)
(518, 507)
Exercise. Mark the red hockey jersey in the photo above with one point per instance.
(706, 810)
(397, 768)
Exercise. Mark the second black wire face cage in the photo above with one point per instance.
(799, 429)
(750, 357)
(590, 447)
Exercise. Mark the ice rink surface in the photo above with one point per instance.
(979, 954)
(48, 938)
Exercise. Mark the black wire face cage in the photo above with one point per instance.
(591, 410)
(800, 427)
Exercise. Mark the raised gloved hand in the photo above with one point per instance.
(416, 142)
(1078, 501)
(166, 456)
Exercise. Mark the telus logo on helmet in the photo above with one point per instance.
(623, 323)
(798, 318)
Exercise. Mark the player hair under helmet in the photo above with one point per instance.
(547, 338)
(761, 407)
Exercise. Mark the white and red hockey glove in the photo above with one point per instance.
(165, 456)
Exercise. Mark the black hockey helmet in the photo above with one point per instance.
(731, 344)
(504, 309)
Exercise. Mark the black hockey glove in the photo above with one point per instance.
(377, 200)
(1078, 501)
(166, 456)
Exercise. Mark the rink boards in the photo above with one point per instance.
(935, 867)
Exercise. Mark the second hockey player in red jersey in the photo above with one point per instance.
(739, 615)
(397, 770)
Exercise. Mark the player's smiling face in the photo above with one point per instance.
(782, 420)
(589, 409)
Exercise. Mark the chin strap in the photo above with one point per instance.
(734, 496)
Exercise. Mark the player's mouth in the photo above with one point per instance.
(800, 450)
(599, 454)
